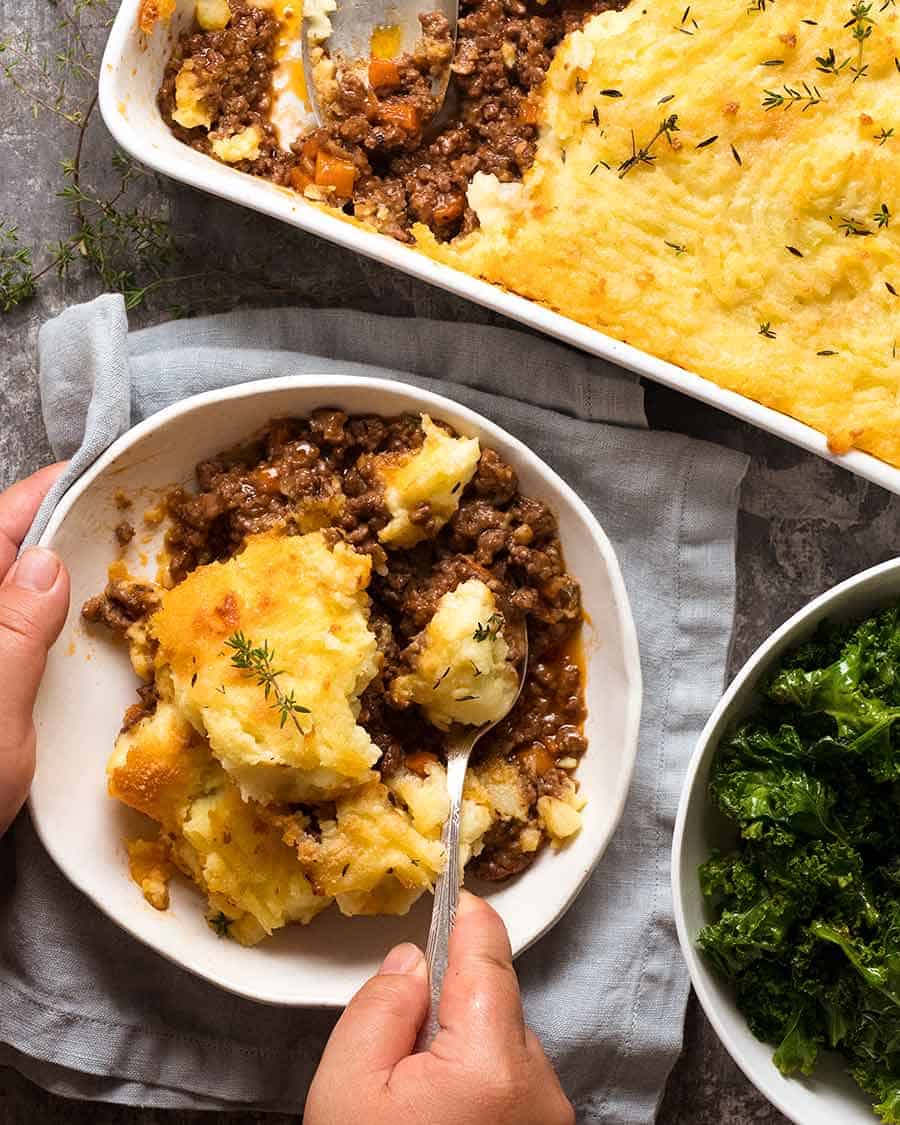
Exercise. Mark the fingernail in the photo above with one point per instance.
(404, 958)
(36, 569)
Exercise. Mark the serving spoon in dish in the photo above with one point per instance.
(361, 28)
(460, 743)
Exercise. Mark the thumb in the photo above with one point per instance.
(34, 600)
(380, 1024)
(480, 999)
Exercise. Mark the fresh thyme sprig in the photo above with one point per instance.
(808, 97)
(853, 226)
(765, 329)
(17, 277)
(258, 661)
(861, 25)
(643, 155)
(882, 217)
(117, 235)
(127, 246)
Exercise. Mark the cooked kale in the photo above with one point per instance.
(807, 907)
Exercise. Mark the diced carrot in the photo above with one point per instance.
(536, 759)
(402, 114)
(266, 480)
(419, 761)
(530, 111)
(448, 211)
(383, 74)
(298, 178)
(335, 172)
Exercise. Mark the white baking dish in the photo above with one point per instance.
(130, 76)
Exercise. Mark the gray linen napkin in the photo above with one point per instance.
(86, 1011)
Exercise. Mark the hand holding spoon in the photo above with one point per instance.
(461, 741)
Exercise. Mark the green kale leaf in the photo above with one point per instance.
(805, 910)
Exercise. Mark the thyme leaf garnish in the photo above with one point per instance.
(765, 329)
(440, 679)
(643, 155)
(882, 217)
(851, 226)
(677, 247)
(258, 661)
(861, 25)
(808, 97)
(487, 629)
(828, 63)
(220, 923)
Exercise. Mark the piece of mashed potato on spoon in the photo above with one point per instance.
(461, 671)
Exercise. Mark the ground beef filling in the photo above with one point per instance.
(120, 605)
(318, 471)
(397, 170)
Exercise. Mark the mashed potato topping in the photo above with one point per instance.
(305, 601)
(383, 850)
(461, 673)
(163, 768)
(262, 868)
(755, 243)
(423, 487)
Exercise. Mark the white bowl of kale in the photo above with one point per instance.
(786, 859)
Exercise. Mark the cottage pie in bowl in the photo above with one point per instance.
(334, 594)
(713, 183)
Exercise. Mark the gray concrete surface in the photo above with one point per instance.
(803, 524)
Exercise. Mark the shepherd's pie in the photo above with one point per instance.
(336, 593)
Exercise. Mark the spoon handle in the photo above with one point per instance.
(446, 893)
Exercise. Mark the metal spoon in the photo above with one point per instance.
(353, 23)
(460, 743)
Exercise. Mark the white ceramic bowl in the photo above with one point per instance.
(89, 683)
(829, 1096)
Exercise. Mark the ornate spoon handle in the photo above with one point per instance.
(446, 891)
